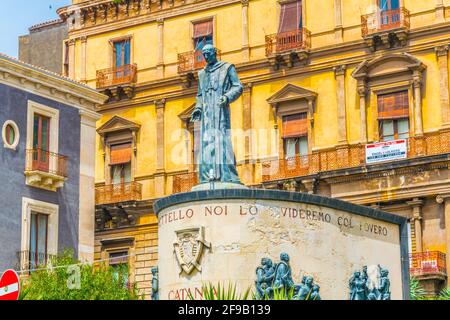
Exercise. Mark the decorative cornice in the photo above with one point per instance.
(48, 84)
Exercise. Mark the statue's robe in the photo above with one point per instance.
(216, 156)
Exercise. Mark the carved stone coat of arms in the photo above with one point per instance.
(189, 248)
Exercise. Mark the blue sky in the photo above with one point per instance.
(18, 15)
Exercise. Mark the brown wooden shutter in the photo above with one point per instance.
(290, 17)
(295, 125)
(203, 29)
(120, 154)
(393, 105)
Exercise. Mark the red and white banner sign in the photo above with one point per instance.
(9, 286)
(386, 151)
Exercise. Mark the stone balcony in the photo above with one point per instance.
(117, 82)
(45, 170)
(288, 48)
(347, 157)
(189, 63)
(386, 28)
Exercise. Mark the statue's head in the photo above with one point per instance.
(269, 262)
(154, 270)
(210, 54)
(304, 279)
(264, 261)
(365, 268)
(357, 274)
(309, 280)
(284, 257)
(384, 272)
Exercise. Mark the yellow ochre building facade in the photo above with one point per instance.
(323, 81)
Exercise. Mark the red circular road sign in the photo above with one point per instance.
(9, 286)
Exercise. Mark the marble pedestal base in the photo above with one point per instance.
(221, 236)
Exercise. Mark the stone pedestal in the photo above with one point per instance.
(221, 236)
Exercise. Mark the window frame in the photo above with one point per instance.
(395, 128)
(6, 143)
(52, 210)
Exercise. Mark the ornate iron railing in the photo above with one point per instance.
(126, 74)
(45, 161)
(384, 21)
(348, 157)
(28, 260)
(427, 263)
(192, 60)
(288, 41)
(184, 182)
(114, 193)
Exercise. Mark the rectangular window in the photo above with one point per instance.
(120, 162)
(38, 239)
(118, 261)
(386, 5)
(393, 114)
(41, 142)
(295, 135)
(203, 34)
(290, 16)
(390, 13)
(122, 53)
(394, 129)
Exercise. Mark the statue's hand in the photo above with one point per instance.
(223, 101)
(196, 116)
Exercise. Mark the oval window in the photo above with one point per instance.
(10, 135)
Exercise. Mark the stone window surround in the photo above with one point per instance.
(371, 82)
(112, 51)
(16, 135)
(199, 20)
(126, 132)
(53, 114)
(50, 209)
(301, 100)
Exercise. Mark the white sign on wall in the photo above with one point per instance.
(386, 151)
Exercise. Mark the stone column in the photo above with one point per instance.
(249, 168)
(87, 186)
(445, 200)
(338, 29)
(71, 44)
(442, 58)
(160, 185)
(417, 84)
(83, 62)
(416, 205)
(440, 11)
(341, 108)
(245, 31)
(247, 119)
(160, 64)
(362, 91)
(311, 141)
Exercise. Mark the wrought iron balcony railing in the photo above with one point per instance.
(44, 161)
(192, 60)
(126, 74)
(348, 157)
(29, 261)
(184, 182)
(427, 263)
(288, 41)
(114, 193)
(385, 21)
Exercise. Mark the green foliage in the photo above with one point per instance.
(416, 291)
(67, 279)
(445, 294)
(221, 292)
(281, 294)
